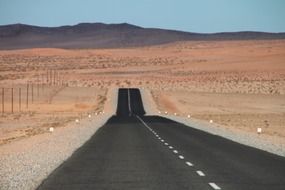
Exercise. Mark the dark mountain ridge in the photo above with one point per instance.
(100, 35)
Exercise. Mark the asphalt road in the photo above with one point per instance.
(133, 151)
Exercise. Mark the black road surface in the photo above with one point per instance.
(133, 151)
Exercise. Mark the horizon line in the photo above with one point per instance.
(143, 27)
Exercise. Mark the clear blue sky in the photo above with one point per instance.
(188, 15)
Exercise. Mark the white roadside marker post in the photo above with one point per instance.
(188, 116)
(76, 120)
(51, 129)
(211, 121)
(259, 130)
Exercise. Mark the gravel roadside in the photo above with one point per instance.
(267, 143)
(24, 164)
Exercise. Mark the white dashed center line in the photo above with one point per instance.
(129, 103)
(214, 186)
(189, 163)
(181, 157)
(200, 173)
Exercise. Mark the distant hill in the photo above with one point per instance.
(99, 35)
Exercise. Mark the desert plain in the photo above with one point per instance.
(54, 100)
(239, 85)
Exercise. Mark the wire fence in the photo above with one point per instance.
(19, 98)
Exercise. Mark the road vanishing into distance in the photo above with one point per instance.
(133, 151)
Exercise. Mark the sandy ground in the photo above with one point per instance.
(267, 141)
(53, 107)
(28, 161)
(240, 85)
(241, 111)
(255, 67)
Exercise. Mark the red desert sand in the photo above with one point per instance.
(237, 85)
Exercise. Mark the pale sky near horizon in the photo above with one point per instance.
(204, 16)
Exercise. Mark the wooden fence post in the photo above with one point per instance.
(20, 100)
(12, 100)
(27, 98)
(32, 92)
(54, 77)
(38, 83)
(3, 95)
